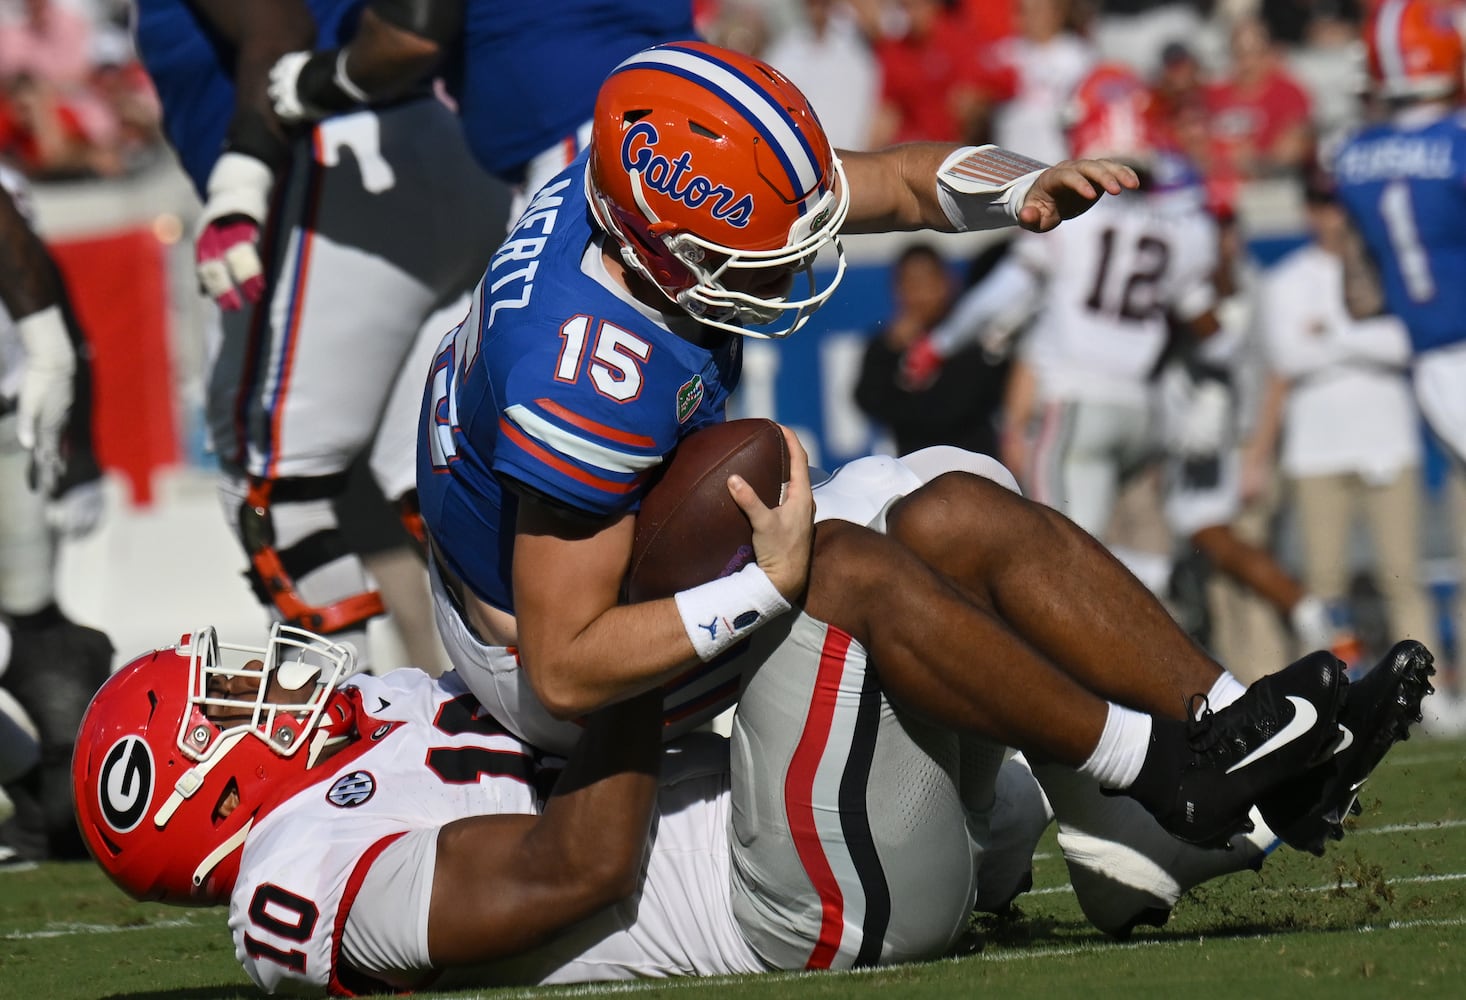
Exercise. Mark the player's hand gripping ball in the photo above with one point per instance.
(689, 529)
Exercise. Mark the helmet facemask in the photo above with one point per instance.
(293, 659)
(704, 263)
(712, 174)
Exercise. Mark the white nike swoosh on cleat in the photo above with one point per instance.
(1346, 742)
(1304, 716)
(1357, 785)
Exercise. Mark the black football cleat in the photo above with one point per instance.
(1309, 810)
(1283, 725)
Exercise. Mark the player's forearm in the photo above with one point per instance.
(896, 188)
(260, 32)
(29, 281)
(396, 47)
(1010, 284)
(598, 819)
(503, 884)
(1380, 340)
(627, 650)
(386, 60)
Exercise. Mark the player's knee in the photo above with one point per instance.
(930, 515)
(846, 572)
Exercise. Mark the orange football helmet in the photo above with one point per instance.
(151, 768)
(1415, 50)
(712, 173)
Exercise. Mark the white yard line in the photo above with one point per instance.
(73, 930)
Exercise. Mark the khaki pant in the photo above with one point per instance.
(1327, 507)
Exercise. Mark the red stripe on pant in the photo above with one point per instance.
(799, 798)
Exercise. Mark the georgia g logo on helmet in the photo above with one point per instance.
(125, 783)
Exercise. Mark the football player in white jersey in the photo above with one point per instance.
(50, 490)
(1111, 281)
(445, 850)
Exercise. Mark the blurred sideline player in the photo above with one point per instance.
(50, 489)
(1198, 425)
(522, 77)
(609, 328)
(327, 252)
(1111, 282)
(1403, 181)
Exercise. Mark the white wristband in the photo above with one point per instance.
(239, 184)
(718, 614)
(983, 187)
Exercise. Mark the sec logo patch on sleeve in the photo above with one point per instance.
(352, 790)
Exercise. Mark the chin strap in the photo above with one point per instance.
(218, 854)
(274, 571)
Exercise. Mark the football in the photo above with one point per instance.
(689, 529)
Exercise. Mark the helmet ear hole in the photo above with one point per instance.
(228, 802)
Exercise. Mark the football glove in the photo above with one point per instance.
(46, 394)
(307, 86)
(227, 251)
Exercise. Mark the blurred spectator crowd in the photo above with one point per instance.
(1247, 89)
(74, 101)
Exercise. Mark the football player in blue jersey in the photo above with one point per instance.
(327, 250)
(1403, 181)
(523, 76)
(609, 326)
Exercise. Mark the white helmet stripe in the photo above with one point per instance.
(770, 119)
(1387, 43)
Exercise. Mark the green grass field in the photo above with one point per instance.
(1381, 915)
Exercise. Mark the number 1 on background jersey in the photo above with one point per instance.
(1398, 210)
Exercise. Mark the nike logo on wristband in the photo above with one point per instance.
(1304, 716)
(711, 627)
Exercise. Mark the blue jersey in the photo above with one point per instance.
(556, 382)
(191, 68)
(525, 74)
(1405, 187)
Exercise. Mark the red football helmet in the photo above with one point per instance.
(1109, 114)
(1415, 50)
(712, 173)
(151, 770)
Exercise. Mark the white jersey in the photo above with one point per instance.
(1113, 275)
(1349, 407)
(440, 758)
